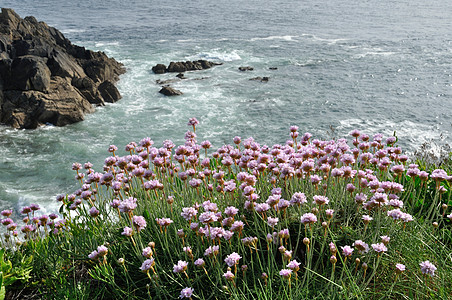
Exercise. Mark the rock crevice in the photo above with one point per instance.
(44, 78)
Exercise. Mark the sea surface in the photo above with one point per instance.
(377, 66)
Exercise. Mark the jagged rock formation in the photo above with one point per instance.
(44, 78)
(182, 66)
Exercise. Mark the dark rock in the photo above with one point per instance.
(273, 68)
(61, 65)
(248, 68)
(44, 78)
(180, 75)
(109, 91)
(28, 73)
(159, 69)
(62, 105)
(169, 91)
(181, 66)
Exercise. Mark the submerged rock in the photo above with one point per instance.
(44, 78)
(261, 79)
(248, 68)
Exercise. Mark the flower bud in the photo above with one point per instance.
(333, 259)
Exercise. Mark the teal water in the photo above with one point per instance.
(375, 66)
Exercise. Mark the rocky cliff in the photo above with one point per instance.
(44, 78)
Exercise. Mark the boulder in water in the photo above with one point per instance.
(169, 91)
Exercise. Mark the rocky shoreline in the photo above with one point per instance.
(44, 78)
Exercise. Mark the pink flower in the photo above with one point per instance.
(308, 218)
(188, 213)
(192, 122)
(272, 221)
(355, 133)
(294, 265)
(232, 259)
(102, 250)
(361, 246)
(147, 252)
(329, 213)
(180, 267)
(427, 268)
(286, 273)
(164, 221)
(385, 239)
(347, 251)
(229, 275)
(93, 255)
(262, 207)
(200, 262)
(400, 268)
(128, 205)
(147, 265)
(321, 200)
(212, 251)
(231, 211)
(208, 217)
(379, 248)
(6, 212)
(127, 231)
(366, 219)
(237, 226)
(186, 293)
(139, 222)
(438, 175)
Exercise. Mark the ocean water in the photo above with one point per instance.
(378, 66)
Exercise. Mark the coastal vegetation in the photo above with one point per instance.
(310, 219)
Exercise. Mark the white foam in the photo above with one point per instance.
(328, 41)
(375, 53)
(217, 55)
(275, 37)
(103, 44)
(72, 30)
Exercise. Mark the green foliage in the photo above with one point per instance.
(9, 274)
